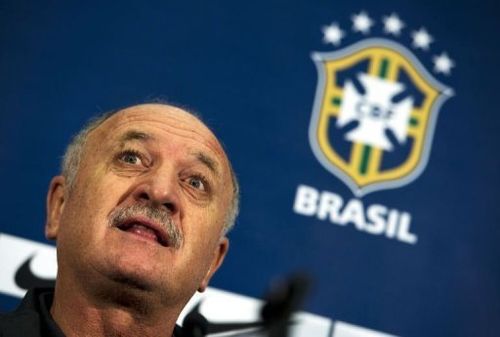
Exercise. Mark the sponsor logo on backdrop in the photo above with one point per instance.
(25, 278)
(25, 264)
(373, 119)
(29, 264)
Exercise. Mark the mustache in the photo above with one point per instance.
(160, 216)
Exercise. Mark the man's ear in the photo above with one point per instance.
(55, 206)
(219, 255)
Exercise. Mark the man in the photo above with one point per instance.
(139, 214)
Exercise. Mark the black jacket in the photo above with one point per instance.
(32, 318)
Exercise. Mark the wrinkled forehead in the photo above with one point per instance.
(161, 118)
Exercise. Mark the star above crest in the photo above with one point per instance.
(421, 39)
(443, 63)
(393, 24)
(333, 34)
(361, 23)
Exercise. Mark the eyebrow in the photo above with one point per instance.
(207, 161)
(135, 135)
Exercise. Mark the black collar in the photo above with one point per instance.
(33, 319)
(48, 324)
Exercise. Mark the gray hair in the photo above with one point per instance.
(73, 156)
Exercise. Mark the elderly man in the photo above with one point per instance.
(139, 214)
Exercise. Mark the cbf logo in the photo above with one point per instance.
(373, 121)
(376, 106)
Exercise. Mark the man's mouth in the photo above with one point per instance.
(147, 230)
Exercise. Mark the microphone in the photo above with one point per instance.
(275, 314)
(281, 302)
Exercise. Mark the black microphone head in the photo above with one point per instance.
(285, 298)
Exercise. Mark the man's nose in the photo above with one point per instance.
(161, 190)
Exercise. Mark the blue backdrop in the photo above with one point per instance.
(246, 67)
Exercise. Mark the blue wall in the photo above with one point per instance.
(246, 67)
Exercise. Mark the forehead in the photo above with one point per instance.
(160, 121)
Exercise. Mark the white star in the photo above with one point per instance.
(421, 39)
(393, 24)
(333, 34)
(443, 63)
(361, 23)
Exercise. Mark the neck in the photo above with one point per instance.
(110, 312)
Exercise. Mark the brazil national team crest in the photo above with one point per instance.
(376, 106)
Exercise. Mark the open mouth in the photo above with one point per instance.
(145, 230)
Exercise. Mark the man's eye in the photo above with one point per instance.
(130, 157)
(197, 183)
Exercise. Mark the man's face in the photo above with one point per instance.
(147, 174)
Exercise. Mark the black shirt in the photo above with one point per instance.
(33, 319)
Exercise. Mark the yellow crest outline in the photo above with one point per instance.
(386, 58)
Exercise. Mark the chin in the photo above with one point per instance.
(134, 275)
(129, 291)
(132, 281)
(115, 270)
